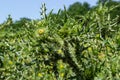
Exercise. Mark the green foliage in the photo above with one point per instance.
(78, 9)
(115, 10)
(56, 48)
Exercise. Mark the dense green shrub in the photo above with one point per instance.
(84, 49)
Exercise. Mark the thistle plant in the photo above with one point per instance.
(56, 48)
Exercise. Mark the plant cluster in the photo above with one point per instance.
(57, 48)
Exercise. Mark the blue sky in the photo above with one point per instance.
(31, 8)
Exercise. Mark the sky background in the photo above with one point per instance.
(31, 8)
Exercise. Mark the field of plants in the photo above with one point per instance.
(55, 48)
